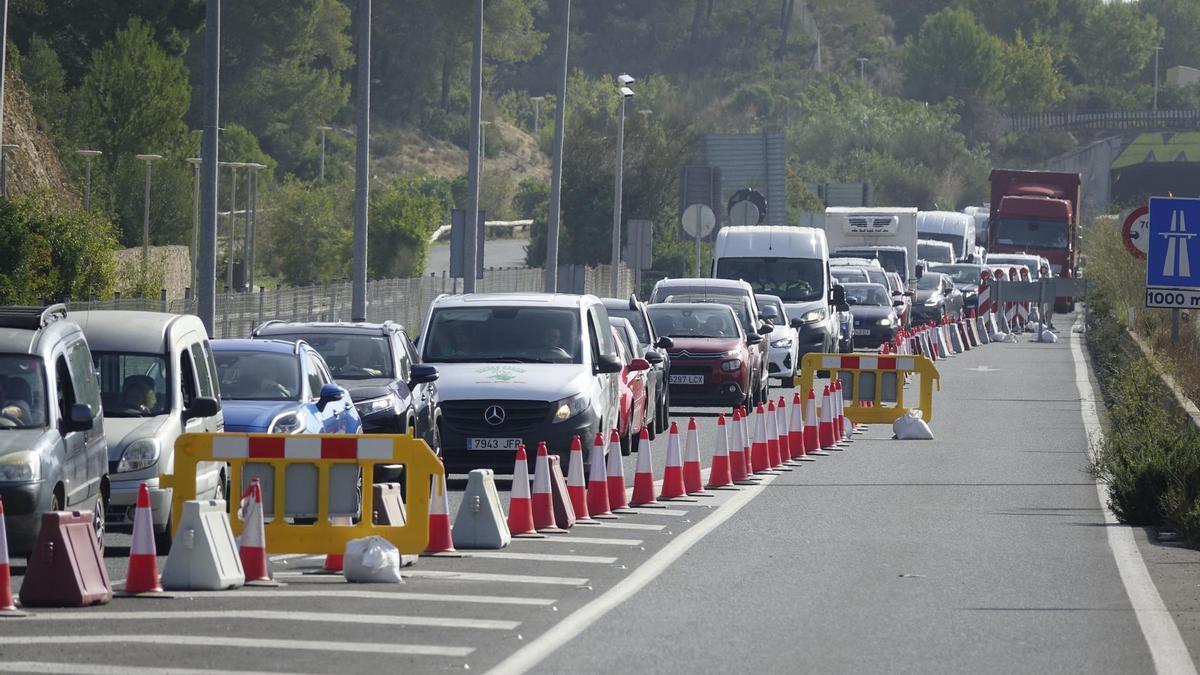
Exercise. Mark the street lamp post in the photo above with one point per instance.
(1157, 51)
(87, 175)
(149, 160)
(249, 236)
(862, 68)
(560, 108)
(362, 163)
(474, 154)
(483, 125)
(195, 162)
(4, 148)
(323, 130)
(229, 246)
(206, 273)
(623, 82)
(537, 109)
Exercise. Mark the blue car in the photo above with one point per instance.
(281, 387)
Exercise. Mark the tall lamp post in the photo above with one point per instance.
(195, 162)
(1157, 51)
(87, 156)
(229, 246)
(248, 236)
(323, 129)
(862, 68)
(623, 82)
(149, 160)
(537, 110)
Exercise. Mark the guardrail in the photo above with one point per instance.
(1115, 120)
(511, 225)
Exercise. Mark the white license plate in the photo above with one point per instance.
(687, 379)
(862, 331)
(493, 443)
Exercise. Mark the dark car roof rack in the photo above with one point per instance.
(29, 317)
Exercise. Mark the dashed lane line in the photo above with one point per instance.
(613, 525)
(495, 578)
(267, 615)
(96, 669)
(602, 541)
(672, 513)
(541, 557)
(225, 642)
(367, 595)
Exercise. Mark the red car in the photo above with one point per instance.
(633, 385)
(711, 359)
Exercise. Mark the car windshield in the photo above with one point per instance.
(765, 302)
(132, 384)
(893, 260)
(847, 275)
(792, 279)
(258, 376)
(1031, 233)
(930, 282)
(635, 319)
(716, 322)
(503, 335)
(22, 392)
(961, 274)
(738, 303)
(935, 254)
(867, 294)
(350, 356)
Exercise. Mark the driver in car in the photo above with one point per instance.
(13, 409)
(360, 358)
(138, 394)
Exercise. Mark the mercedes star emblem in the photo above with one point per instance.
(494, 415)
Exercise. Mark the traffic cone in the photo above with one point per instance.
(718, 474)
(758, 447)
(839, 406)
(575, 484)
(693, 473)
(252, 544)
(812, 426)
(737, 459)
(142, 577)
(520, 505)
(773, 459)
(672, 485)
(441, 537)
(618, 496)
(796, 432)
(825, 430)
(542, 501)
(597, 492)
(643, 477)
(781, 428)
(7, 607)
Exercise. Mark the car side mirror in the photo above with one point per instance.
(608, 364)
(664, 342)
(202, 407)
(422, 374)
(80, 418)
(910, 294)
(844, 307)
(765, 329)
(838, 295)
(753, 339)
(898, 303)
(920, 271)
(654, 358)
(639, 364)
(329, 394)
(796, 323)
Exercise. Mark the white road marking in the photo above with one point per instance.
(226, 642)
(267, 615)
(1167, 648)
(95, 669)
(674, 513)
(495, 578)
(614, 525)
(603, 541)
(368, 595)
(289, 556)
(562, 633)
(542, 557)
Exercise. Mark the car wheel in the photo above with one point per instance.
(100, 520)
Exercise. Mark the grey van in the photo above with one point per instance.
(157, 381)
(53, 455)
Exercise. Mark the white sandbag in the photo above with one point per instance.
(372, 560)
(1048, 336)
(999, 337)
(911, 427)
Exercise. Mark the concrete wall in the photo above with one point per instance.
(1094, 165)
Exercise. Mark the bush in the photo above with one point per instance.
(402, 220)
(308, 232)
(51, 250)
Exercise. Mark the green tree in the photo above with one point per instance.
(1115, 43)
(1180, 20)
(46, 80)
(1030, 80)
(403, 218)
(307, 232)
(952, 56)
(51, 250)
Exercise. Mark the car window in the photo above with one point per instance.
(64, 392)
(206, 372)
(635, 319)
(714, 322)
(83, 375)
(350, 356)
(133, 384)
(315, 379)
(403, 357)
(594, 337)
(258, 376)
(608, 344)
(22, 392)
(187, 379)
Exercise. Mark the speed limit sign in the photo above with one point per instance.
(1135, 232)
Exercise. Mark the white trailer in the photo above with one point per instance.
(889, 228)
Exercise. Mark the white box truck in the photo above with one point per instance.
(888, 234)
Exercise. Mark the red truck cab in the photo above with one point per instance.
(1037, 212)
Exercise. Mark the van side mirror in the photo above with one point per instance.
(765, 329)
(654, 358)
(920, 271)
(608, 364)
(837, 295)
(796, 323)
(422, 374)
(202, 407)
(80, 418)
(753, 339)
(329, 394)
(664, 342)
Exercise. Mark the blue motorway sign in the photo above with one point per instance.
(1173, 256)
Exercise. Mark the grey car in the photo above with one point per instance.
(53, 455)
(658, 410)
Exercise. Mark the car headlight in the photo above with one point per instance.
(813, 315)
(731, 365)
(931, 302)
(886, 321)
(782, 343)
(287, 423)
(20, 467)
(375, 405)
(567, 408)
(139, 455)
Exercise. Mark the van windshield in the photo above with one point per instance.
(934, 253)
(893, 260)
(22, 392)
(504, 335)
(792, 279)
(132, 384)
(954, 240)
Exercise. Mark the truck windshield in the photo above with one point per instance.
(504, 335)
(792, 279)
(22, 392)
(1031, 233)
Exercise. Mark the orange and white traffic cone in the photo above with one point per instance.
(441, 540)
(796, 431)
(252, 543)
(618, 496)
(693, 472)
(812, 427)
(718, 475)
(7, 607)
(826, 431)
(597, 492)
(575, 484)
(142, 577)
(758, 447)
(773, 458)
(542, 501)
(672, 485)
(737, 459)
(520, 504)
(643, 476)
(843, 425)
(781, 428)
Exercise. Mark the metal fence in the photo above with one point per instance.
(1108, 121)
(402, 300)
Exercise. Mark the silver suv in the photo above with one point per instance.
(53, 455)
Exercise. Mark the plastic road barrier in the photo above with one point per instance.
(317, 476)
(985, 291)
(878, 381)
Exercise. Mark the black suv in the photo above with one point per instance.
(658, 395)
(378, 364)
